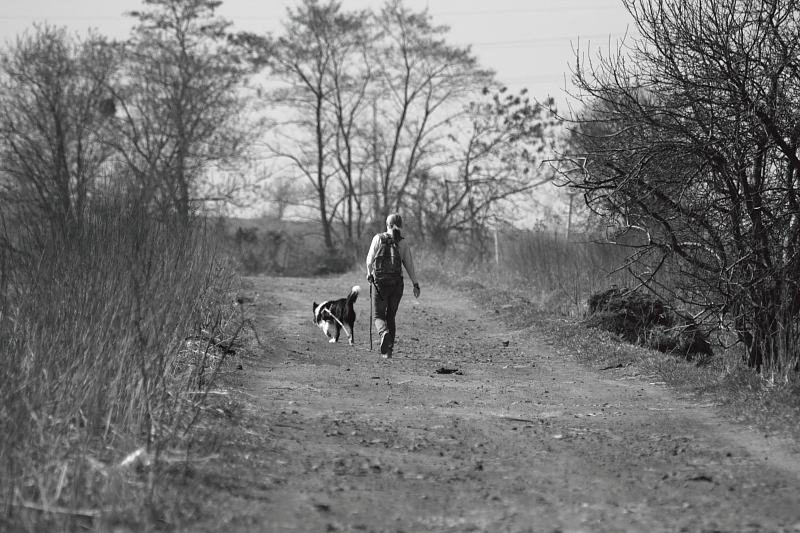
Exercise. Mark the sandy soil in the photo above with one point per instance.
(329, 437)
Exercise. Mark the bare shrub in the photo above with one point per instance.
(721, 209)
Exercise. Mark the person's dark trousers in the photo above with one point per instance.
(384, 309)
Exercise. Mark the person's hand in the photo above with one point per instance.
(416, 290)
(370, 278)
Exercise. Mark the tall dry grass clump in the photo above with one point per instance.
(96, 366)
(556, 276)
(563, 274)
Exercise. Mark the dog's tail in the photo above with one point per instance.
(353, 296)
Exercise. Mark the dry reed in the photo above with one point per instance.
(93, 326)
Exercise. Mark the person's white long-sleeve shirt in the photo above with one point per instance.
(405, 256)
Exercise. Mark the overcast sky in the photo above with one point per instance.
(529, 43)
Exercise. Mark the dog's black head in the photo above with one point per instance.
(318, 311)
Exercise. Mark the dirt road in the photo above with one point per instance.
(333, 438)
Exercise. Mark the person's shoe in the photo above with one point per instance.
(385, 345)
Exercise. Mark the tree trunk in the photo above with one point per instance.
(323, 210)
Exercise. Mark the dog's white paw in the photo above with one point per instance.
(352, 343)
(332, 340)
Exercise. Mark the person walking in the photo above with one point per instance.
(388, 253)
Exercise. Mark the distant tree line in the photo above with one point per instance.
(374, 112)
(360, 113)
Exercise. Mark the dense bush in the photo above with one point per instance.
(646, 320)
(283, 248)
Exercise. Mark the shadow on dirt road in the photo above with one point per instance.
(330, 437)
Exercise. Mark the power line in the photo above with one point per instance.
(486, 44)
(536, 79)
(450, 13)
(549, 40)
(64, 17)
(535, 10)
(562, 8)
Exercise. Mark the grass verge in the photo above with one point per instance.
(723, 380)
(112, 333)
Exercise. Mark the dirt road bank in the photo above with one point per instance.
(332, 438)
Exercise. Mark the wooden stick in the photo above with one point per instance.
(58, 510)
(370, 316)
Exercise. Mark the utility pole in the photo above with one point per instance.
(375, 164)
(496, 249)
(569, 216)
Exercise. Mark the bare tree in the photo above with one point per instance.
(372, 97)
(379, 116)
(54, 114)
(423, 87)
(692, 141)
(185, 115)
(352, 78)
(498, 147)
(319, 62)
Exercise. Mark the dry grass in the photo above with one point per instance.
(99, 385)
(531, 288)
(557, 275)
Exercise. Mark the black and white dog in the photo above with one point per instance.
(337, 315)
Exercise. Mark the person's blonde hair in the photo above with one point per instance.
(394, 223)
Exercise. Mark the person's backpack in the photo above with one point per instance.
(387, 264)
